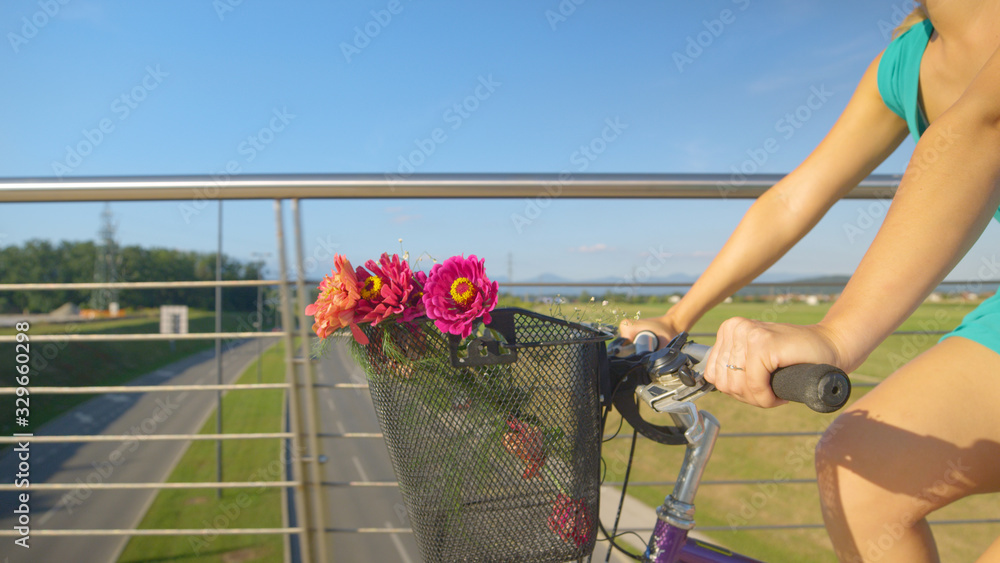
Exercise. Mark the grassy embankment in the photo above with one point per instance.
(243, 460)
(104, 363)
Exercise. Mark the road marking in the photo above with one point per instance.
(45, 517)
(117, 398)
(361, 470)
(399, 545)
(340, 427)
(181, 396)
(84, 418)
(329, 401)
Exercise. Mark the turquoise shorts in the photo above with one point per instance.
(982, 325)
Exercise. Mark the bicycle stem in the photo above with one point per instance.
(676, 514)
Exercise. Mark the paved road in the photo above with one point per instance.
(365, 459)
(124, 413)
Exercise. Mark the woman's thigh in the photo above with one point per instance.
(926, 436)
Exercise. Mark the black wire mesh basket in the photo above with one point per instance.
(495, 440)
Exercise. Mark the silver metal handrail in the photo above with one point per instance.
(368, 186)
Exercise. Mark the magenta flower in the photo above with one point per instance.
(391, 290)
(458, 293)
(570, 520)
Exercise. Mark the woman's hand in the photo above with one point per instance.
(747, 352)
(662, 327)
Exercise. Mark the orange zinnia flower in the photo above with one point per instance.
(337, 301)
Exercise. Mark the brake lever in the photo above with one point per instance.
(673, 375)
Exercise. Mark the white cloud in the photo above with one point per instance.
(599, 247)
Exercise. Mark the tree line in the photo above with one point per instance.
(40, 261)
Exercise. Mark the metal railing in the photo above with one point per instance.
(306, 482)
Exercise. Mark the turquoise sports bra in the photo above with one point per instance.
(899, 78)
(899, 75)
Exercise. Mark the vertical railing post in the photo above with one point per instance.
(218, 356)
(307, 386)
(288, 325)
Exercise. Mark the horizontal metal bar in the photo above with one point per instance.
(763, 527)
(349, 435)
(141, 388)
(160, 532)
(117, 486)
(716, 482)
(820, 526)
(197, 189)
(358, 484)
(369, 530)
(689, 284)
(135, 285)
(142, 337)
(721, 435)
(143, 437)
(608, 483)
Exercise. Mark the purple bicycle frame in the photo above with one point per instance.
(673, 545)
(670, 542)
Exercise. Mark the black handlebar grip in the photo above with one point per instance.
(645, 342)
(821, 387)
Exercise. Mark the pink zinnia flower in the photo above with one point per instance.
(570, 520)
(457, 293)
(338, 298)
(392, 289)
(527, 443)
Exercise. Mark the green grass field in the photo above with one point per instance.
(771, 462)
(243, 460)
(104, 363)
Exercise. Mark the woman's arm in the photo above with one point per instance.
(947, 196)
(865, 134)
(950, 190)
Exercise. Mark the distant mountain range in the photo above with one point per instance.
(773, 283)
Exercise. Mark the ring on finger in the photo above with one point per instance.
(734, 368)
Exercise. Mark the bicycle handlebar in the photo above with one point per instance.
(821, 387)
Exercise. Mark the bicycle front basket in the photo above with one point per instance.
(498, 459)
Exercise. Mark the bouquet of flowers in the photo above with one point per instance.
(487, 449)
(455, 295)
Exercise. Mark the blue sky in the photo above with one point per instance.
(268, 86)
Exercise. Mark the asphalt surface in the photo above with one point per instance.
(167, 412)
(358, 459)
